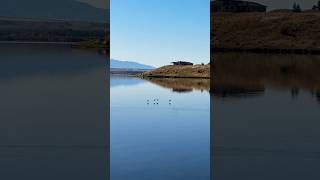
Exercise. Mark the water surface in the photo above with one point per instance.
(159, 129)
(53, 113)
(265, 117)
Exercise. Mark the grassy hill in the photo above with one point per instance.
(273, 30)
(179, 71)
(46, 30)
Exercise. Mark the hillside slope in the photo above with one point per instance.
(14, 29)
(174, 71)
(53, 9)
(272, 30)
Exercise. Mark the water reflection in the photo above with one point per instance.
(124, 81)
(157, 133)
(182, 85)
(53, 113)
(237, 92)
(273, 134)
(255, 71)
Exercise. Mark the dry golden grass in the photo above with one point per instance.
(274, 30)
(189, 71)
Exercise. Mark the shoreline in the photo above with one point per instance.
(75, 45)
(37, 42)
(173, 77)
(268, 50)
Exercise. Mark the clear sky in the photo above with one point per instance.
(157, 32)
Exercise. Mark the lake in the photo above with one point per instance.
(265, 117)
(53, 113)
(160, 129)
(264, 121)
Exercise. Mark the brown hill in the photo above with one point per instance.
(272, 30)
(49, 30)
(180, 71)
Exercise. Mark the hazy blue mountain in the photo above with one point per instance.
(53, 9)
(128, 65)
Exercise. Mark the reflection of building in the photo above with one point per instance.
(181, 90)
(235, 92)
(237, 6)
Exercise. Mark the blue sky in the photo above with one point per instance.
(156, 32)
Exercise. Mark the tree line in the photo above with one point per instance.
(316, 7)
(296, 7)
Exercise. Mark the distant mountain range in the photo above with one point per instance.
(71, 10)
(117, 64)
(104, 4)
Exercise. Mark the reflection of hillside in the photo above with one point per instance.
(256, 71)
(259, 70)
(20, 60)
(234, 91)
(182, 85)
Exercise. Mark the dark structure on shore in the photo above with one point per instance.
(237, 6)
(182, 63)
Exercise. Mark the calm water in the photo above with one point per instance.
(159, 129)
(266, 117)
(53, 120)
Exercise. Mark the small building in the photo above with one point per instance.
(184, 63)
(237, 6)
